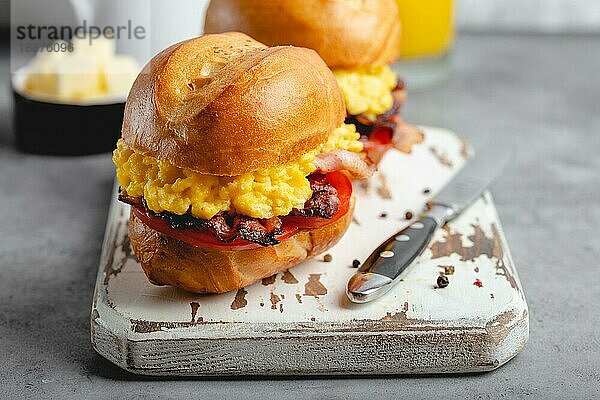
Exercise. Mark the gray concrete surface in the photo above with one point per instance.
(543, 91)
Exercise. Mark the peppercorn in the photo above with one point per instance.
(442, 281)
(327, 257)
(355, 264)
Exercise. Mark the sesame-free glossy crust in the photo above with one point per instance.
(226, 105)
(347, 34)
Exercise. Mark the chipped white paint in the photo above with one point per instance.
(301, 322)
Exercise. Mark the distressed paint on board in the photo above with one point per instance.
(303, 315)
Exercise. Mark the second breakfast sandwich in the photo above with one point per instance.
(221, 142)
(357, 39)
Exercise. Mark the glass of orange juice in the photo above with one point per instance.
(427, 39)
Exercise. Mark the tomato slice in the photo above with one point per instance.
(343, 185)
(200, 237)
(290, 224)
(382, 135)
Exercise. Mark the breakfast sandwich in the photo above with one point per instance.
(224, 160)
(357, 39)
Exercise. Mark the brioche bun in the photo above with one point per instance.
(346, 34)
(168, 261)
(226, 105)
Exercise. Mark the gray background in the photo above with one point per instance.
(541, 90)
(528, 15)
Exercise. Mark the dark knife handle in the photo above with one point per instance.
(392, 257)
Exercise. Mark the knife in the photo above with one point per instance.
(383, 268)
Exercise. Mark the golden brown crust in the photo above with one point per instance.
(226, 105)
(346, 34)
(168, 261)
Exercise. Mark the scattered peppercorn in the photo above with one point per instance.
(327, 257)
(383, 215)
(408, 215)
(426, 191)
(355, 264)
(442, 281)
(478, 283)
(448, 270)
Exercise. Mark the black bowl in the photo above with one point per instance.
(66, 129)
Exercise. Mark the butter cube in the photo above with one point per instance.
(91, 72)
(41, 72)
(77, 78)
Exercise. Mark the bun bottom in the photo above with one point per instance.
(168, 261)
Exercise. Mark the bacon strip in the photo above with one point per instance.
(324, 203)
(406, 136)
(253, 230)
(343, 160)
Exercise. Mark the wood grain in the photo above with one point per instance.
(300, 322)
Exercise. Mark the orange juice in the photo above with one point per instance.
(427, 27)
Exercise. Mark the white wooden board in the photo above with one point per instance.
(300, 322)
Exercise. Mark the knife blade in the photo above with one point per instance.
(384, 267)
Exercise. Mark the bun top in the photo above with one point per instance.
(347, 34)
(227, 104)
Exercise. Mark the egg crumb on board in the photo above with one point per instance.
(367, 90)
(264, 193)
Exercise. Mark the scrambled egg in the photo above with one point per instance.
(367, 90)
(261, 194)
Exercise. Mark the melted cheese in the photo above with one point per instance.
(261, 194)
(367, 90)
